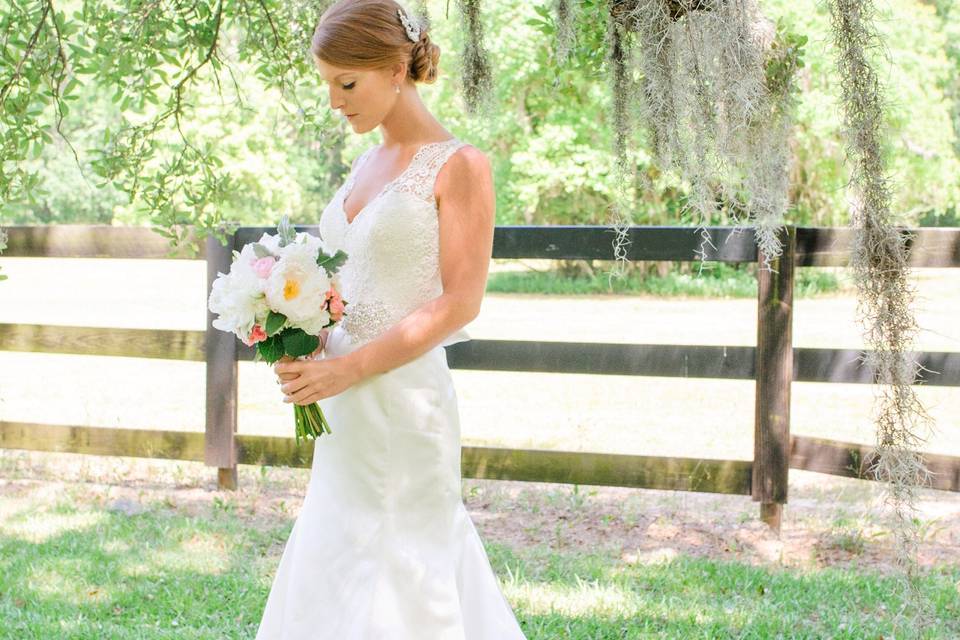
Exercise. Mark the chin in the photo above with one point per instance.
(360, 128)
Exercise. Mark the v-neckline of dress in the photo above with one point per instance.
(348, 188)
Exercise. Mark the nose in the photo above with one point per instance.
(335, 103)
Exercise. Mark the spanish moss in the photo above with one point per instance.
(710, 113)
(879, 262)
(618, 56)
(567, 12)
(475, 71)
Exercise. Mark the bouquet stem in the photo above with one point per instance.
(310, 420)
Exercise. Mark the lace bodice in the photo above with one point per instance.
(392, 245)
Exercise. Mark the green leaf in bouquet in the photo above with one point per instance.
(286, 231)
(331, 263)
(275, 322)
(297, 342)
(271, 349)
(261, 251)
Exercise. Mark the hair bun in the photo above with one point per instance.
(424, 58)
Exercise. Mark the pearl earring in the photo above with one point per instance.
(397, 87)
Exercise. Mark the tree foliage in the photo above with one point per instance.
(174, 70)
(176, 114)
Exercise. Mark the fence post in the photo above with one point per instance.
(220, 348)
(774, 374)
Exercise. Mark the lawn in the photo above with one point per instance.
(95, 547)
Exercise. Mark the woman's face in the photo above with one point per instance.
(363, 94)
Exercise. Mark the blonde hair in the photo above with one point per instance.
(368, 34)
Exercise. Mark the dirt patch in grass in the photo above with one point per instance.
(827, 521)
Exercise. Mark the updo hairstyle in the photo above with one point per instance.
(368, 34)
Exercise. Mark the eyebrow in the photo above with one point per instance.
(339, 75)
(346, 73)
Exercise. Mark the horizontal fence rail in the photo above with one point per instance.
(816, 246)
(498, 463)
(940, 368)
(764, 477)
(93, 241)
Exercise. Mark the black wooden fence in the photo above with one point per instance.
(774, 363)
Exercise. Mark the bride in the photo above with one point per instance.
(383, 547)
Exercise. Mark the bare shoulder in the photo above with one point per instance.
(468, 166)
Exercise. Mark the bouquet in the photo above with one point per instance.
(282, 290)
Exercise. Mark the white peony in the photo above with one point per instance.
(271, 242)
(296, 287)
(237, 297)
(311, 241)
(316, 324)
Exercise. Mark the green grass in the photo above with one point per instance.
(103, 574)
(696, 598)
(719, 280)
(73, 572)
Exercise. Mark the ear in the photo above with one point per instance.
(398, 73)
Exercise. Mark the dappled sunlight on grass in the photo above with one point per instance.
(61, 582)
(40, 527)
(129, 576)
(202, 552)
(680, 596)
(116, 546)
(589, 598)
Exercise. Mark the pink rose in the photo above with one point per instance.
(257, 334)
(336, 304)
(263, 266)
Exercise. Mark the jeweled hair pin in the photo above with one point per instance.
(410, 26)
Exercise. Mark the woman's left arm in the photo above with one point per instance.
(466, 202)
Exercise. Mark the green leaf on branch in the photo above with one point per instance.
(275, 322)
(331, 263)
(271, 349)
(297, 342)
(286, 231)
(261, 251)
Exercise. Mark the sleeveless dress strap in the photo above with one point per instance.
(421, 177)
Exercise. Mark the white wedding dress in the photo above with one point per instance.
(383, 547)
